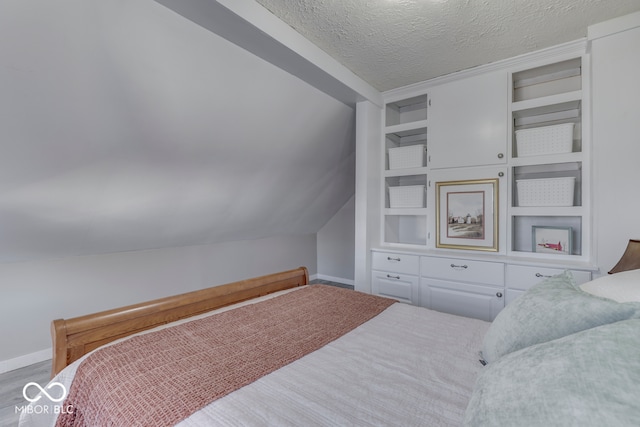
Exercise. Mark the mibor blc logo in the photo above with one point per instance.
(44, 392)
(56, 392)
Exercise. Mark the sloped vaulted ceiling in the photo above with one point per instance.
(124, 126)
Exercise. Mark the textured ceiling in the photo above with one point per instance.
(394, 43)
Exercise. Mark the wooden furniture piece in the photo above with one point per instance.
(75, 337)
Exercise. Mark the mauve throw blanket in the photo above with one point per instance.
(160, 378)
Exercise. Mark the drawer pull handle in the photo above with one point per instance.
(393, 259)
(459, 266)
(393, 277)
(541, 275)
(499, 294)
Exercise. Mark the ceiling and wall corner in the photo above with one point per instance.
(126, 127)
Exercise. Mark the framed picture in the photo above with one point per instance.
(551, 240)
(467, 214)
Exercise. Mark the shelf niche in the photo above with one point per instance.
(406, 111)
(405, 229)
(549, 171)
(548, 80)
(523, 231)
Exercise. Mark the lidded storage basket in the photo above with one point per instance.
(411, 156)
(546, 191)
(554, 139)
(406, 196)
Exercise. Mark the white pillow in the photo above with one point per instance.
(621, 287)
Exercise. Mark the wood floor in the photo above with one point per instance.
(11, 385)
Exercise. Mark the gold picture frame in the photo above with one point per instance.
(467, 214)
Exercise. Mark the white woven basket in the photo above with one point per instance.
(545, 140)
(406, 196)
(411, 156)
(546, 191)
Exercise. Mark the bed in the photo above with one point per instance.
(275, 350)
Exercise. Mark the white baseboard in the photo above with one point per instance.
(26, 360)
(335, 279)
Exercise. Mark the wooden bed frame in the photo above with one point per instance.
(73, 338)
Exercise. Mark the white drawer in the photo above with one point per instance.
(480, 302)
(523, 277)
(463, 270)
(397, 263)
(402, 287)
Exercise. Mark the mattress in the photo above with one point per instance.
(406, 366)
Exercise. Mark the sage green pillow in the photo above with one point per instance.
(551, 309)
(590, 378)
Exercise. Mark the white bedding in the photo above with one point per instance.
(407, 366)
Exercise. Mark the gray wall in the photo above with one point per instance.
(616, 139)
(35, 293)
(126, 128)
(336, 245)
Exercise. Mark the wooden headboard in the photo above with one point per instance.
(73, 338)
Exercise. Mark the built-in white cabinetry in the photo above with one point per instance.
(396, 276)
(462, 299)
(487, 125)
(467, 125)
(519, 278)
(477, 287)
(465, 287)
(405, 172)
(462, 286)
(549, 204)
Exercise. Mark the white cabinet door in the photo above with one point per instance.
(399, 286)
(480, 302)
(467, 121)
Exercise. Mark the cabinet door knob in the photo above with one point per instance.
(500, 155)
(393, 259)
(500, 174)
(542, 275)
(459, 266)
(499, 294)
(393, 277)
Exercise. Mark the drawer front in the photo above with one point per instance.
(523, 277)
(463, 270)
(395, 285)
(480, 302)
(397, 263)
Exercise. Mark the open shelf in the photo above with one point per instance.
(525, 228)
(552, 80)
(406, 111)
(405, 229)
(547, 178)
